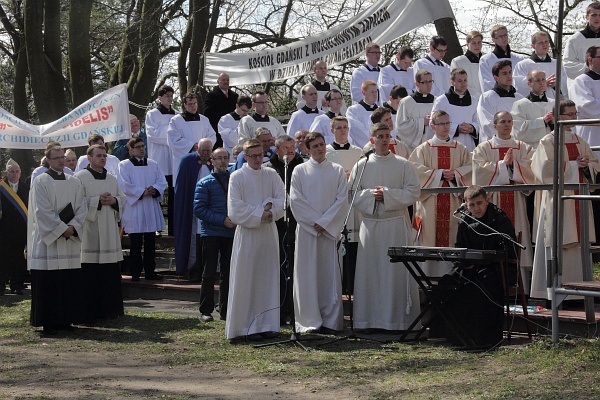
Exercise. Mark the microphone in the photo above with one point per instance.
(368, 153)
(285, 159)
(460, 209)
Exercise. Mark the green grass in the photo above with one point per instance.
(539, 370)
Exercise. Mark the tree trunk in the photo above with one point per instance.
(149, 58)
(200, 20)
(80, 69)
(445, 27)
(43, 58)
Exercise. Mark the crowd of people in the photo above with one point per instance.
(249, 200)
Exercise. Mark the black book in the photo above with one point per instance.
(67, 214)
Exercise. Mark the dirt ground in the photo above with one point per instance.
(67, 373)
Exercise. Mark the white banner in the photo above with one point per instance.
(106, 114)
(383, 22)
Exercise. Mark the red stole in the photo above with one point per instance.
(442, 231)
(507, 199)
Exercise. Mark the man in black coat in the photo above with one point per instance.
(285, 150)
(14, 195)
(218, 102)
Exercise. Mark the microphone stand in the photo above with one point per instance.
(352, 334)
(295, 336)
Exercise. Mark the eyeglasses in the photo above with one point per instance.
(374, 52)
(335, 99)
(254, 156)
(191, 104)
(572, 114)
(441, 51)
(426, 82)
(141, 146)
(442, 123)
(57, 158)
(260, 102)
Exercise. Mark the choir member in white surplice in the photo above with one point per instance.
(502, 160)
(470, 62)
(143, 183)
(57, 211)
(412, 118)
(259, 119)
(585, 92)
(318, 201)
(539, 60)
(359, 114)
(501, 51)
(399, 72)
(578, 43)
(462, 108)
(323, 87)
(367, 71)
(100, 240)
(533, 116)
(322, 123)
(384, 115)
(440, 162)
(440, 71)
(228, 124)
(580, 166)
(304, 117)
(185, 130)
(255, 201)
(385, 297)
(500, 98)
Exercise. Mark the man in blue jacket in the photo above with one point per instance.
(216, 230)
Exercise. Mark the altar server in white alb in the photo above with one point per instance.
(539, 60)
(323, 87)
(255, 201)
(384, 115)
(577, 44)
(367, 71)
(318, 201)
(57, 212)
(185, 130)
(585, 92)
(228, 124)
(304, 117)
(100, 240)
(359, 115)
(157, 124)
(462, 108)
(580, 166)
(502, 160)
(470, 62)
(143, 183)
(322, 123)
(500, 98)
(412, 119)
(399, 72)
(259, 118)
(533, 116)
(440, 71)
(385, 297)
(501, 51)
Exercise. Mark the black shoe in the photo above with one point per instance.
(135, 279)
(48, 330)
(153, 277)
(328, 331)
(255, 337)
(207, 318)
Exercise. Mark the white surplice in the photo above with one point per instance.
(182, 135)
(141, 214)
(47, 249)
(385, 294)
(100, 240)
(253, 302)
(318, 196)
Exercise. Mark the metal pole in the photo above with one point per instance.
(557, 181)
